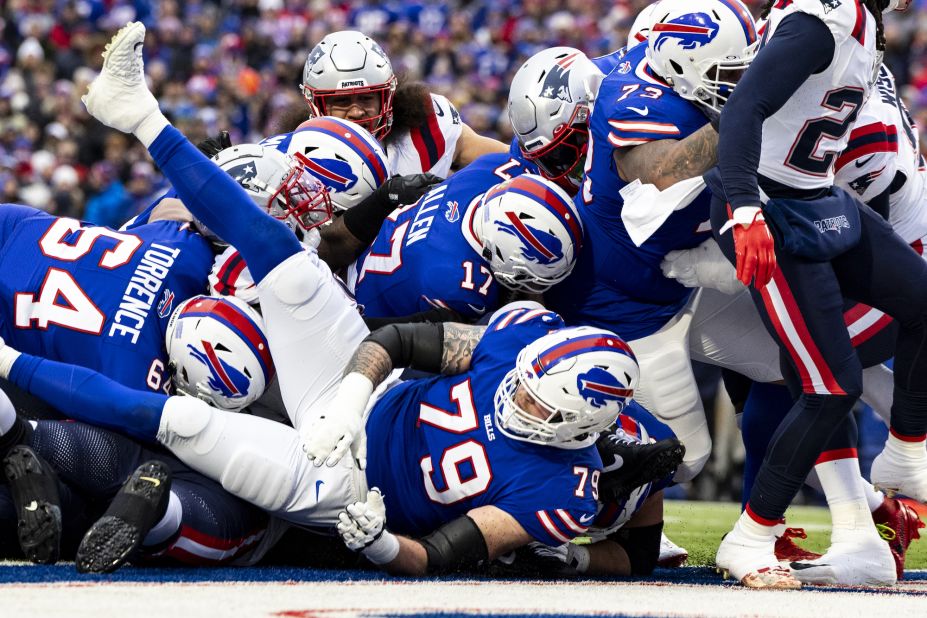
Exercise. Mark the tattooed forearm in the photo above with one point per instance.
(459, 342)
(371, 360)
(665, 162)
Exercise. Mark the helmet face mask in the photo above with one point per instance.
(279, 184)
(348, 70)
(566, 387)
(561, 160)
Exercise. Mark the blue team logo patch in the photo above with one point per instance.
(536, 245)
(452, 213)
(224, 378)
(625, 67)
(166, 304)
(335, 174)
(599, 388)
(690, 31)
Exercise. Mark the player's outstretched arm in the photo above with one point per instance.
(665, 162)
(119, 98)
(484, 533)
(84, 394)
(435, 348)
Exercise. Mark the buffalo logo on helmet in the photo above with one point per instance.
(335, 174)
(537, 245)
(599, 388)
(224, 378)
(691, 31)
(557, 81)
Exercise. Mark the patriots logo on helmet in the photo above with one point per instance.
(557, 81)
(375, 48)
(224, 378)
(537, 245)
(243, 173)
(317, 53)
(691, 31)
(599, 388)
(333, 173)
(166, 304)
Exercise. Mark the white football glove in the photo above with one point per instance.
(362, 528)
(8, 356)
(341, 428)
(575, 558)
(702, 267)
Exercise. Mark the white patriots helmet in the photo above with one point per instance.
(530, 233)
(348, 63)
(550, 100)
(218, 351)
(279, 184)
(701, 46)
(579, 378)
(342, 155)
(640, 29)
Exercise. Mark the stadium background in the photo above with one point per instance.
(236, 65)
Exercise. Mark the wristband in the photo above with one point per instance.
(383, 550)
(8, 356)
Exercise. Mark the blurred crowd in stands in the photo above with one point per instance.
(236, 64)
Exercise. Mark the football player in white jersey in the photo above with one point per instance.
(781, 133)
(348, 75)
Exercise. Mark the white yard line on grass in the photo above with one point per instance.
(335, 599)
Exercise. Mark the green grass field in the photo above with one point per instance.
(699, 526)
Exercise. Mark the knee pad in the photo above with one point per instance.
(668, 387)
(258, 479)
(184, 417)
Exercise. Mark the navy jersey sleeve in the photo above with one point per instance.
(801, 46)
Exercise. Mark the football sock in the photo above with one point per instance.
(765, 407)
(169, 523)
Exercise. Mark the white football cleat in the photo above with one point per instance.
(671, 555)
(864, 562)
(901, 471)
(751, 559)
(119, 96)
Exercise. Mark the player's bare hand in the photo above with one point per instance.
(331, 437)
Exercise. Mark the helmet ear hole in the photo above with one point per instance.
(676, 67)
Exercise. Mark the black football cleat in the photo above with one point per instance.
(34, 487)
(138, 506)
(629, 463)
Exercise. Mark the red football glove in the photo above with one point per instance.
(753, 246)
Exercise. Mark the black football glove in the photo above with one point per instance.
(211, 146)
(403, 190)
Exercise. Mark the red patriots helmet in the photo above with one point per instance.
(530, 231)
(579, 380)
(218, 352)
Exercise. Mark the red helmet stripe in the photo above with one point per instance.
(355, 140)
(573, 347)
(249, 330)
(526, 232)
(680, 28)
(542, 192)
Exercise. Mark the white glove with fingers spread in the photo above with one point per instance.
(362, 527)
(341, 428)
(703, 266)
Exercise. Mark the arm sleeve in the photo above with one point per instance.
(216, 199)
(86, 395)
(801, 46)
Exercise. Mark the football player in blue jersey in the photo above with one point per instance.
(535, 390)
(650, 125)
(490, 224)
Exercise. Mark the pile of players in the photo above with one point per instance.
(454, 371)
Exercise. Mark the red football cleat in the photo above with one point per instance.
(898, 524)
(788, 551)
